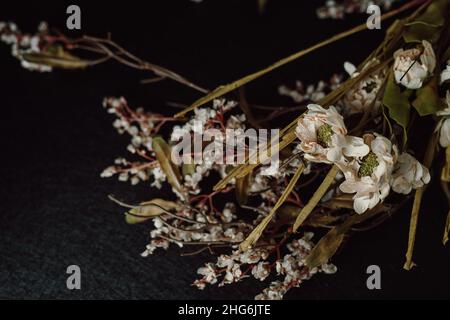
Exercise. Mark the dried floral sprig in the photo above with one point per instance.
(350, 142)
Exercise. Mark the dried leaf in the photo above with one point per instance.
(150, 209)
(427, 98)
(321, 220)
(253, 237)
(163, 155)
(397, 102)
(446, 230)
(429, 24)
(57, 57)
(320, 192)
(344, 201)
(242, 188)
(287, 213)
(326, 247)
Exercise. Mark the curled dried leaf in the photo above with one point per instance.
(163, 155)
(56, 57)
(344, 201)
(326, 247)
(150, 209)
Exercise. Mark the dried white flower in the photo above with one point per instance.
(369, 178)
(412, 66)
(444, 124)
(445, 75)
(323, 137)
(261, 271)
(408, 174)
(361, 97)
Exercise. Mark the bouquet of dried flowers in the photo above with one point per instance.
(345, 164)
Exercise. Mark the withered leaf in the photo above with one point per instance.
(56, 57)
(242, 188)
(150, 209)
(326, 247)
(163, 155)
(427, 100)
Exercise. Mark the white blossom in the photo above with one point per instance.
(362, 97)
(445, 75)
(261, 271)
(444, 124)
(412, 66)
(408, 174)
(323, 137)
(369, 178)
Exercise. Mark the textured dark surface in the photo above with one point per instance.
(56, 139)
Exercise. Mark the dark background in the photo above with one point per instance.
(56, 139)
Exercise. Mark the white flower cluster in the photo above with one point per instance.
(24, 43)
(199, 225)
(312, 93)
(203, 119)
(337, 9)
(141, 127)
(238, 265)
(367, 163)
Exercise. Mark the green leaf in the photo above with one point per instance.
(397, 102)
(163, 155)
(56, 57)
(150, 209)
(428, 25)
(427, 98)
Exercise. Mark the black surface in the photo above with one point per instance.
(56, 139)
